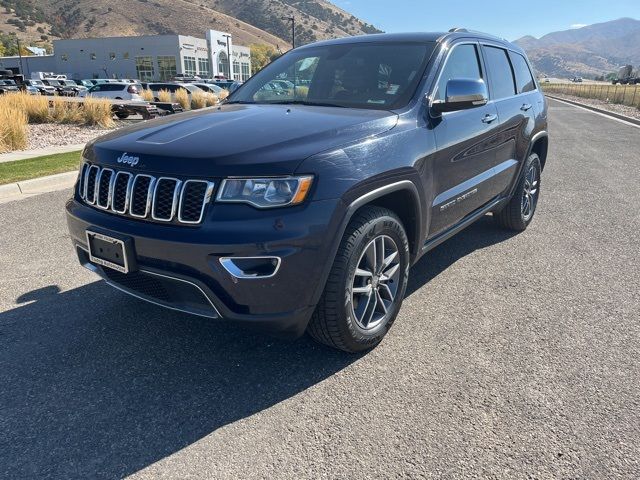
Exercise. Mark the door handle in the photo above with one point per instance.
(489, 117)
(525, 107)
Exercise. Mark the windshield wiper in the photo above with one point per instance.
(304, 102)
(239, 102)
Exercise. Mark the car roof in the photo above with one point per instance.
(438, 37)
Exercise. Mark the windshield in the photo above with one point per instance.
(356, 75)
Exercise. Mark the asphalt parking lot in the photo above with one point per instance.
(514, 356)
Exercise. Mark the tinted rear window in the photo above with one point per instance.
(500, 75)
(524, 79)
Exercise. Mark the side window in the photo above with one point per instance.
(462, 63)
(500, 75)
(524, 79)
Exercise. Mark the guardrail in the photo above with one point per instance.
(619, 94)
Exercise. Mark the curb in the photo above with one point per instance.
(27, 188)
(41, 152)
(601, 111)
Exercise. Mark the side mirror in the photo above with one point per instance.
(462, 94)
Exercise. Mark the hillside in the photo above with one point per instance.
(587, 51)
(249, 21)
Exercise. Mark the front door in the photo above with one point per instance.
(466, 141)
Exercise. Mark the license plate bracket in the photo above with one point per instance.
(111, 251)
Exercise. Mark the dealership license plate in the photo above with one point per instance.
(108, 251)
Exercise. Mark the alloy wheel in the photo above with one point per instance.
(375, 282)
(530, 194)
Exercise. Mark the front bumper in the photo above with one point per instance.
(170, 257)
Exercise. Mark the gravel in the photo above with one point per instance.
(46, 135)
(632, 112)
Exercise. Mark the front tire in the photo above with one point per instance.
(518, 213)
(366, 285)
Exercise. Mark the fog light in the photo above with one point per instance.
(251, 267)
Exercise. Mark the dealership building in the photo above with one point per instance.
(148, 57)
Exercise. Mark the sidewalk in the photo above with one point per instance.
(27, 188)
(24, 154)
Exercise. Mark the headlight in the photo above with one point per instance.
(265, 192)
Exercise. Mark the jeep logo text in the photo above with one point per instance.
(128, 159)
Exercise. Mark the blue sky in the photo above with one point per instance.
(505, 18)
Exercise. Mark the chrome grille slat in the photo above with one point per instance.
(143, 196)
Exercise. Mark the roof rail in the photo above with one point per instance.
(457, 29)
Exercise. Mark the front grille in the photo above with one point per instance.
(144, 196)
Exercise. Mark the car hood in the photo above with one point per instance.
(238, 139)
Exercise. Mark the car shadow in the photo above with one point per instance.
(481, 234)
(99, 384)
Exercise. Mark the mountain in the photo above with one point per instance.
(587, 51)
(249, 21)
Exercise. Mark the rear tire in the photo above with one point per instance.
(518, 213)
(122, 116)
(366, 285)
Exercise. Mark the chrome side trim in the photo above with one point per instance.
(472, 182)
(235, 271)
(205, 200)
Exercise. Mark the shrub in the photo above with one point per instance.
(223, 94)
(97, 111)
(13, 129)
(212, 99)
(164, 96)
(182, 97)
(198, 100)
(65, 112)
(35, 107)
(147, 95)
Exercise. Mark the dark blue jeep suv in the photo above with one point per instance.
(301, 202)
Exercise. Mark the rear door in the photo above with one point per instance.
(463, 163)
(512, 90)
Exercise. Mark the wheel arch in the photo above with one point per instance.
(388, 196)
(540, 146)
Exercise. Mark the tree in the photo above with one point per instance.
(261, 56)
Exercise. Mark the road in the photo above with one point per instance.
(514, 356)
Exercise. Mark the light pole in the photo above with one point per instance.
(228, 37)
(293, 29)
(20, 55)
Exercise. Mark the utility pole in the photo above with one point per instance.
(20, 55)
(293, 29)
(228, 37)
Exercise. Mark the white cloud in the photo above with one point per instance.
(578, 25)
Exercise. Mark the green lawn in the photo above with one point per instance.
(38, 167)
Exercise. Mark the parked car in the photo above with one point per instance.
(576, 79)
(31, 90)
(88, 82)
(40, 85)
(231, 85)
(305, 212)
(183, 77)
(73, 87)
(8, 86)
(59, 87)
(171, 88)
(627, 76)
(209, 87)
(116, 91)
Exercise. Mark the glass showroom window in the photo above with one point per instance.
(245, 72)
(190, 65)
(144, 68)
(167, 67)
(236, 70)
(223, 64)
(203, 67)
